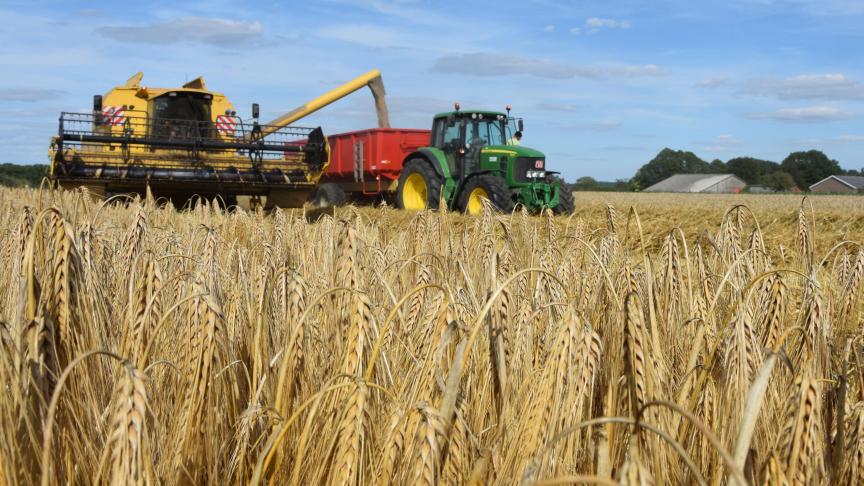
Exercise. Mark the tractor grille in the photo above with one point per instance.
(521, 166)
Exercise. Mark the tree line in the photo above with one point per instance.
(22, 175)
(799, 169)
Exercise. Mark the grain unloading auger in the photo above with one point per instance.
(188, 141)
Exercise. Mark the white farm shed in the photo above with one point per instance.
(699, 183)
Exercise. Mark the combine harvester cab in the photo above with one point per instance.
(190, 141)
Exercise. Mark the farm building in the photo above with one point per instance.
(839, 183)
(699, 183)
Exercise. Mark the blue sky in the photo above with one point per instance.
(603, 86)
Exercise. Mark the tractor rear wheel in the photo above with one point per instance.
(328, 194)
(566, 205)
(486, 186)
(419, 186)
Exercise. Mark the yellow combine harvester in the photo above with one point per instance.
(182, 142)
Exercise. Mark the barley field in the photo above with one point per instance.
(648, 339)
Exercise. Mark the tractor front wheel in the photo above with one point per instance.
(419, 186)
(486, 186)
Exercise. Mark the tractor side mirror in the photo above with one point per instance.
(255, 110)
(521, 125)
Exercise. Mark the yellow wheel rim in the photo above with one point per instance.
(475, 200)
(415, 194)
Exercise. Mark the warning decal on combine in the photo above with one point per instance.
(226, 125)
(113, 115)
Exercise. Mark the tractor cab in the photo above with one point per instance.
(462, 136)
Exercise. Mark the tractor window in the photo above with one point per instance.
(438, 133)
(483, 131)
(451, 139)
(511, 127)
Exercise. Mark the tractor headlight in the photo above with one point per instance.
(536, 174)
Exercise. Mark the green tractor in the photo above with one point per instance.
(474, 156)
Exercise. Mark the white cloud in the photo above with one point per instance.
(813, 7)
(186, 30)
(490, 64)
(633, 70)
(808, 86)
(712, 82)
(89, 12)
(851, 138)
(406, 10)
(549, 28)
(807, 114)
(361, 34)
(595, 24)
(602, 125)
(29, 94)
(721, 143)
(598, 23)
(562, 107)
(493, 64)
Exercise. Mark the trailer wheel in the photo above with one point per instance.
(328, 194)
(566, 205)
(486, 186)
(419, 186)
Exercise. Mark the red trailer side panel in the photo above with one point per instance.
(367, 155)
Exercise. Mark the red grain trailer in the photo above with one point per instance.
(367, 163)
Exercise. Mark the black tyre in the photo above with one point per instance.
(566, 205)
(328, 194)
(486, 186)
(419, 186)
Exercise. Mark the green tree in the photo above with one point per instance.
(779, 181)
(668, 163)
(718, 167)
(623, 185)
(585, 183)
(752, 170)
(22, 175)
(810, 167)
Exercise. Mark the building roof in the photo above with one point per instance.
(691, 182)
(855, 182)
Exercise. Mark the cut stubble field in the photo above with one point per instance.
(649, 338)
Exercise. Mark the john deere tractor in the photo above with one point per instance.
(473, 156)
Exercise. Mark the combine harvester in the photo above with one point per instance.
(189, 141)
